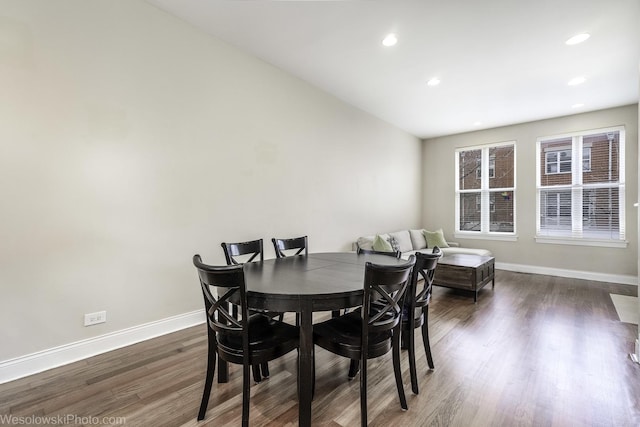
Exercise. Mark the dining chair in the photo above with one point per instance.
(247, 340)
(354, 367)
(416, 311)
(290, 247)
(239, 253)
(361, 251)
(353, 370)
(374, 330)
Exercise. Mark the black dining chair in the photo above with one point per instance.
(290, 247)
(354, 367)
(245, 339)
(240, 253)
(373, 330)
(360, 251)
(416, 311)
(353, 370)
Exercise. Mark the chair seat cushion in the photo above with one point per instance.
(268, 339)
(343, 336)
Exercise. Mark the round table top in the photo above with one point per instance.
(329, 280)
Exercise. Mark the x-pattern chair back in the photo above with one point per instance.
(229, 281)
(219, 317)
(360, 251)
(386, 309)
(384, 291)
(252, 249)
(426, 267)
(282, 245)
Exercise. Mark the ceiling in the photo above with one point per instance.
(500, 62)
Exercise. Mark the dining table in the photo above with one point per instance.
(306, 284)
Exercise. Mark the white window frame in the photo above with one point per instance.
(488, 171)
(577, 189)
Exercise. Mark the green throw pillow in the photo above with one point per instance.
(381, 244)
(435, 238)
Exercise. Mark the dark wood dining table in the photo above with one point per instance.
(307, 284)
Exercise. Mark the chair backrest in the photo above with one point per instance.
(426, 268)
(296, 246)
(384, 290)
(230, 284)
(252, 249)
(361, 251)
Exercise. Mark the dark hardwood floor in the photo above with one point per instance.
(536, 351)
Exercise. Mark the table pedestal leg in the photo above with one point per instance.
(305, 367)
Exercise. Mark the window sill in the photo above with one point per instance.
(486, 236)
(582, 242)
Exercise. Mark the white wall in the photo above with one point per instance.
(439, 194)
(130, 141)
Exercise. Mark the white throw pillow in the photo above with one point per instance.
(404, 240)
(417, 239)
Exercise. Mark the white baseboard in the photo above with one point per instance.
(33, 363)
(574, 274)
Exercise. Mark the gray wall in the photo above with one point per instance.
(439, 193)
(130, 141)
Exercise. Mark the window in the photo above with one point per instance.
(485, 206)
(580, 188)
(492, 203)
(558, 160)
(492, 168)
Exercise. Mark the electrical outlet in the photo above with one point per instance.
(95, 318)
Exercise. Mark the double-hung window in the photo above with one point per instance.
(580, 188)
(485, 191)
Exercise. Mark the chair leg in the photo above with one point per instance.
(404, 342)
(412, 361)
(211, 368)
(313, 379)
(256, 374)
(245, 395)
(223, 371)
(363, 391)
(425, 337)
(396, 368)
(265, 369)
(354, 367)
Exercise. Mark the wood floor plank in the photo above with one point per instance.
(535, 351)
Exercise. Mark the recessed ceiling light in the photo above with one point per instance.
(434, 82)
(478, 123)
(390, 40)
(578, 38)
(578, 105)
(577, 81)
